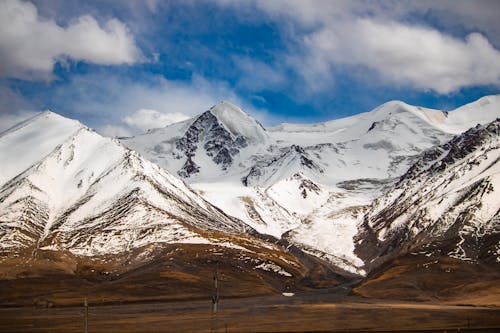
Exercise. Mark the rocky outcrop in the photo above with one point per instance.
(207, 133)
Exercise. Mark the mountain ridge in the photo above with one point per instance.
(67, 185)
(332, 155)
(89, 190)
(441, 197)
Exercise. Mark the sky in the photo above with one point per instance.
(122, 67)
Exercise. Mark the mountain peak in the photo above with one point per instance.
(91, 186)
(238, 122)
(481, 111)
(394, 106)
(227, 104)
(394, 103)
(431, 200)
(53, 116)
(41, 116)
(28, 137)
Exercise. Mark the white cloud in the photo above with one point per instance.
(114, 131)
(145, 119)
(257, 75)
(477, 15)
(30, 45)
(404, 54)
(376, 36)
(13, 108)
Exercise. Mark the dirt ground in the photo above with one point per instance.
(307, 312)
(174, 294)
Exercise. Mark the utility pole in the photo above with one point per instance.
(215, 297)
(86, 323)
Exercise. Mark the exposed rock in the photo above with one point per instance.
(207, 132)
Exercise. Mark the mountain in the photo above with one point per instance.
(83, 212)
(347, 163)
(88, 193)
(391, 196)
(436, 234)
(215, 140)
(45, 131)
(449, 195)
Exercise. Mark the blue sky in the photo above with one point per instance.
(125, 66)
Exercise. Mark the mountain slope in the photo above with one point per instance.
(226, 142)
(449, 196)
(204, 146)
(35, 138)
(88, 194)
(436, 234)
(352, 161)
(91, 196)
(94, 216)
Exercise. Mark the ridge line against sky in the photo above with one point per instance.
(124, 67)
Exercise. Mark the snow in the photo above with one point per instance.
(239, 123)
(346, 129)
(32, 140)
(332, 234)
(249, 204)
(389, 137)
(462, 181)
(482, 111)
(288, 194)
(96, 197)
(310, 182)
(272, 267)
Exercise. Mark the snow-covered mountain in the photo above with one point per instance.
(79, 191)
(204, 146)
(436, 234)
(64, 187)
(449, 197)
(305, 183)
(81, 206)
(31, 140)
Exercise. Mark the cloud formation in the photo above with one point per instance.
(304, 60)
(405, 54)
(145, 119)
(30, 45)
(257, 75)
(386, 38)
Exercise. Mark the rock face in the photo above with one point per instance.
(207, 145)
(435, 235)
(447, 203)
(225, 142)
(217, 142)
(271, 170)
